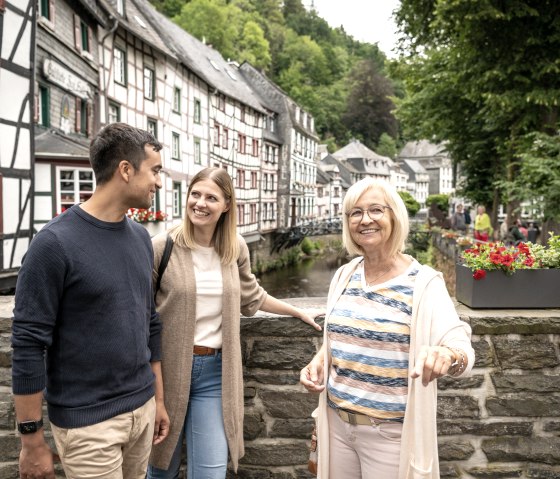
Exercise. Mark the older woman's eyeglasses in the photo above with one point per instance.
(375, 212)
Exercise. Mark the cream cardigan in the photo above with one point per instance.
(176, 304)
(434, 322)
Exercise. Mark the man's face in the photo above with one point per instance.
(145, 181)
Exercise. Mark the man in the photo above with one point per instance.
(458, 222)
(85, 328)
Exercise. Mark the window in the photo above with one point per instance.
(241, 179)
(177, 198)
(242, 146)
(319, 192)
(216, 133)
(254, 180)
(120, 7)
(272, 124)
(197, 151)
(120, 66)
(46, 9)
(221, 102)
(272, 186)
(83, 110)
(336, 192)
(265, 182)
(152, 127)
(240, 214)
(43, 106)
(175, 146)
(255, 147)
(114, 113)
(197, 110)
(267, 154)
(272, 216)
(177, 100)
(265, 211)
(83, 37)
(74, 186)
(253, 212)
(149, 83)
(225, 138)
(243, 113)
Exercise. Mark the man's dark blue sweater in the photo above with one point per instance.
(84, 297)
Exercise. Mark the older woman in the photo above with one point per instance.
(391, 329)
(207, 284)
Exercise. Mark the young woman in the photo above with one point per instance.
(207, 284)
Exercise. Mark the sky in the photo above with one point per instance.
(366, 20)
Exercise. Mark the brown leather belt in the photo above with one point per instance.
(204, 351)
(357, 419)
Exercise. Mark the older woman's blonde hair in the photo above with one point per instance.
(398, 215)
(225, 238)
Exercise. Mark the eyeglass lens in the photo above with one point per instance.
(375, 212)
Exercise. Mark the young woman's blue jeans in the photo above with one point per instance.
(207, 449)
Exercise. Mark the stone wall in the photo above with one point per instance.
(502, 422)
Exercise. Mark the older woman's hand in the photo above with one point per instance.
(433, 362)
(310, 315)
(312, 375)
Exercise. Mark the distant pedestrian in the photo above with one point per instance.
(482, 226)
(532, 233)
(85, 331)
(458, 220)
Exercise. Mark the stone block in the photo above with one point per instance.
(5, 351)
(478, 428)
(551, 426)
(265, 376)
(472, 382)
(535, 352)
(276, 454)
(9, 470)
(455, 450)
(448, 470)
(289, 404)
(7, 413)
(6, 377)
(297, 428)
(531, 405)
(514, 321)
(249, 392)
(457, 406)
(540, 471)
(10, 446)
(277, 326)
(303, 473)
(532, 449)
(277, 353)
(495, 472)
(526, 382)
(253, 426)
(484, 355)
(248, 473)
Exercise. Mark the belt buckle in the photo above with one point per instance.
(352, 419)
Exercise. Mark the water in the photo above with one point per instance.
(309, 278)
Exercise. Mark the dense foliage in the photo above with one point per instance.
(342, 82)
(484, 77)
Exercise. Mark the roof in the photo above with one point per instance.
(54, 143)
(345, 175)
(202, 59)
(135, 21)
(322, 177)
(356, 149)
(422, 149)
(93, 8)
(414, 168)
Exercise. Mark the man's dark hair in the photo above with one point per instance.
(117, 142)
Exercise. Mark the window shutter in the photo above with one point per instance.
(89, 119)
(90, 40)
(77, 33)
(78, 115)
(51, 11)
(36, 109)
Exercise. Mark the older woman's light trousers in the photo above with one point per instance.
(366, 452)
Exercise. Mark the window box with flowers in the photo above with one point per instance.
(493, 275)
(153, 221)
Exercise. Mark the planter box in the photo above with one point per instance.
(526, 288)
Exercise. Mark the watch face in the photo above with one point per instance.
(29, 427)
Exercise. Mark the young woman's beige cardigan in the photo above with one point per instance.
(434, 322)
(176, 304)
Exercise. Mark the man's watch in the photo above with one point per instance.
(29, 427)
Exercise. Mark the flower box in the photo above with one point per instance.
(526, 288)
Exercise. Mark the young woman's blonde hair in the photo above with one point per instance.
(398, 215)
(225, 238)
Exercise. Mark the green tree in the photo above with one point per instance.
(253, 46)
(387, 146)
(412, 206)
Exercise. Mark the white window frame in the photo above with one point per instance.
(175, 146)
(119, 66)
(76, 188)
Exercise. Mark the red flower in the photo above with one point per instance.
(479, 274)
(529, 261)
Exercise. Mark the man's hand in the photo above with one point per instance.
(312, 375)
(36, 459)
(161, 428)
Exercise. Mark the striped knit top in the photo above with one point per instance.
(369, 337)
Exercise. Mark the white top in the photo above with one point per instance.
(209, 291)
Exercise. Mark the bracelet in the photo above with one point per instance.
(458, 367)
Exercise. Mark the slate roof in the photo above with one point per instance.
(136, 22)
(203, 60)
(360, 159)
(422, 149)
(345, 175)
(414, 168)
(54, 143)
